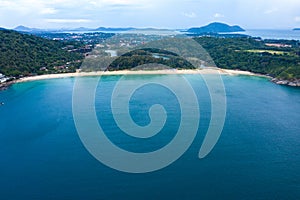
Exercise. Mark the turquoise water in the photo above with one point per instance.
(257, 156)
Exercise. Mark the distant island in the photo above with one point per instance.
(80, 29)
(27, 29)
(212, 28)
(296, 29)
(216, 27)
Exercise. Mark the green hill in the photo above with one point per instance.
(259, 56)
(23, 54)
(216, 27)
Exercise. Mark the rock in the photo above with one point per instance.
(292, 83)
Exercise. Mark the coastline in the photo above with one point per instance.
(220, 71)
(139, 72)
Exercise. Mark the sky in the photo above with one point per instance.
(175, 14)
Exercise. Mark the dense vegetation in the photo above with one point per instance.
(254, 55)
(277, 58)
(141, 59)
(147, 56)
(23, 55)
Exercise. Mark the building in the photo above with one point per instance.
(3, 78)
(278, 45)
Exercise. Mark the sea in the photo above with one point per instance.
(286, 34)
(274, 34)
(256, 157)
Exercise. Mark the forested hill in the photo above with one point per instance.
(277, 58)
(216, 28)
(22, 55)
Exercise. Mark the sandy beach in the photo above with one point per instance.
(138, 72)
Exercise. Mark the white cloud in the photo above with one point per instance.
(270, 11)
(189, 14)
(107, 3)
(5, 4)
(158, 13)
(297, 19)
(28, 7)
(119, 1)
(63, 21)
(218, 15)
(46, 11)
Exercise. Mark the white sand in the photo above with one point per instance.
(140, 72)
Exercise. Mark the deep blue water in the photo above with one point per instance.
(257, 156)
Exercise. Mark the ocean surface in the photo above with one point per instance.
(274, 34)
(263, 33)
(256, 157)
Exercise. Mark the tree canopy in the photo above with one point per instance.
(23, 54)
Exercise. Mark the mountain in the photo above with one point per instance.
(80, 29)
(83, 29)
(113, 29)
(216, 27)
(23, 28)
(211, 28)
(27, 29)
(23, 54)
(296, 29)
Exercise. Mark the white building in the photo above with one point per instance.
(3, 78)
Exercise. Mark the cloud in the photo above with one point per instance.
(46, 11)
(113, 3)
(28, 7)
(297, 19)
(218, 15)
(271, 11)
(126, 2)
(64, 21)
(189, 14)
(141, 13)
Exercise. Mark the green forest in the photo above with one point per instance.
(23, 55)
(254, 55)
(149, 55)
(276, 58)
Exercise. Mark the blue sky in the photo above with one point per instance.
(250, 14)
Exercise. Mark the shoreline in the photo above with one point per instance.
(139, 72)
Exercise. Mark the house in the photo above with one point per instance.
(43, 69)
(3, 78)
(278, 45)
